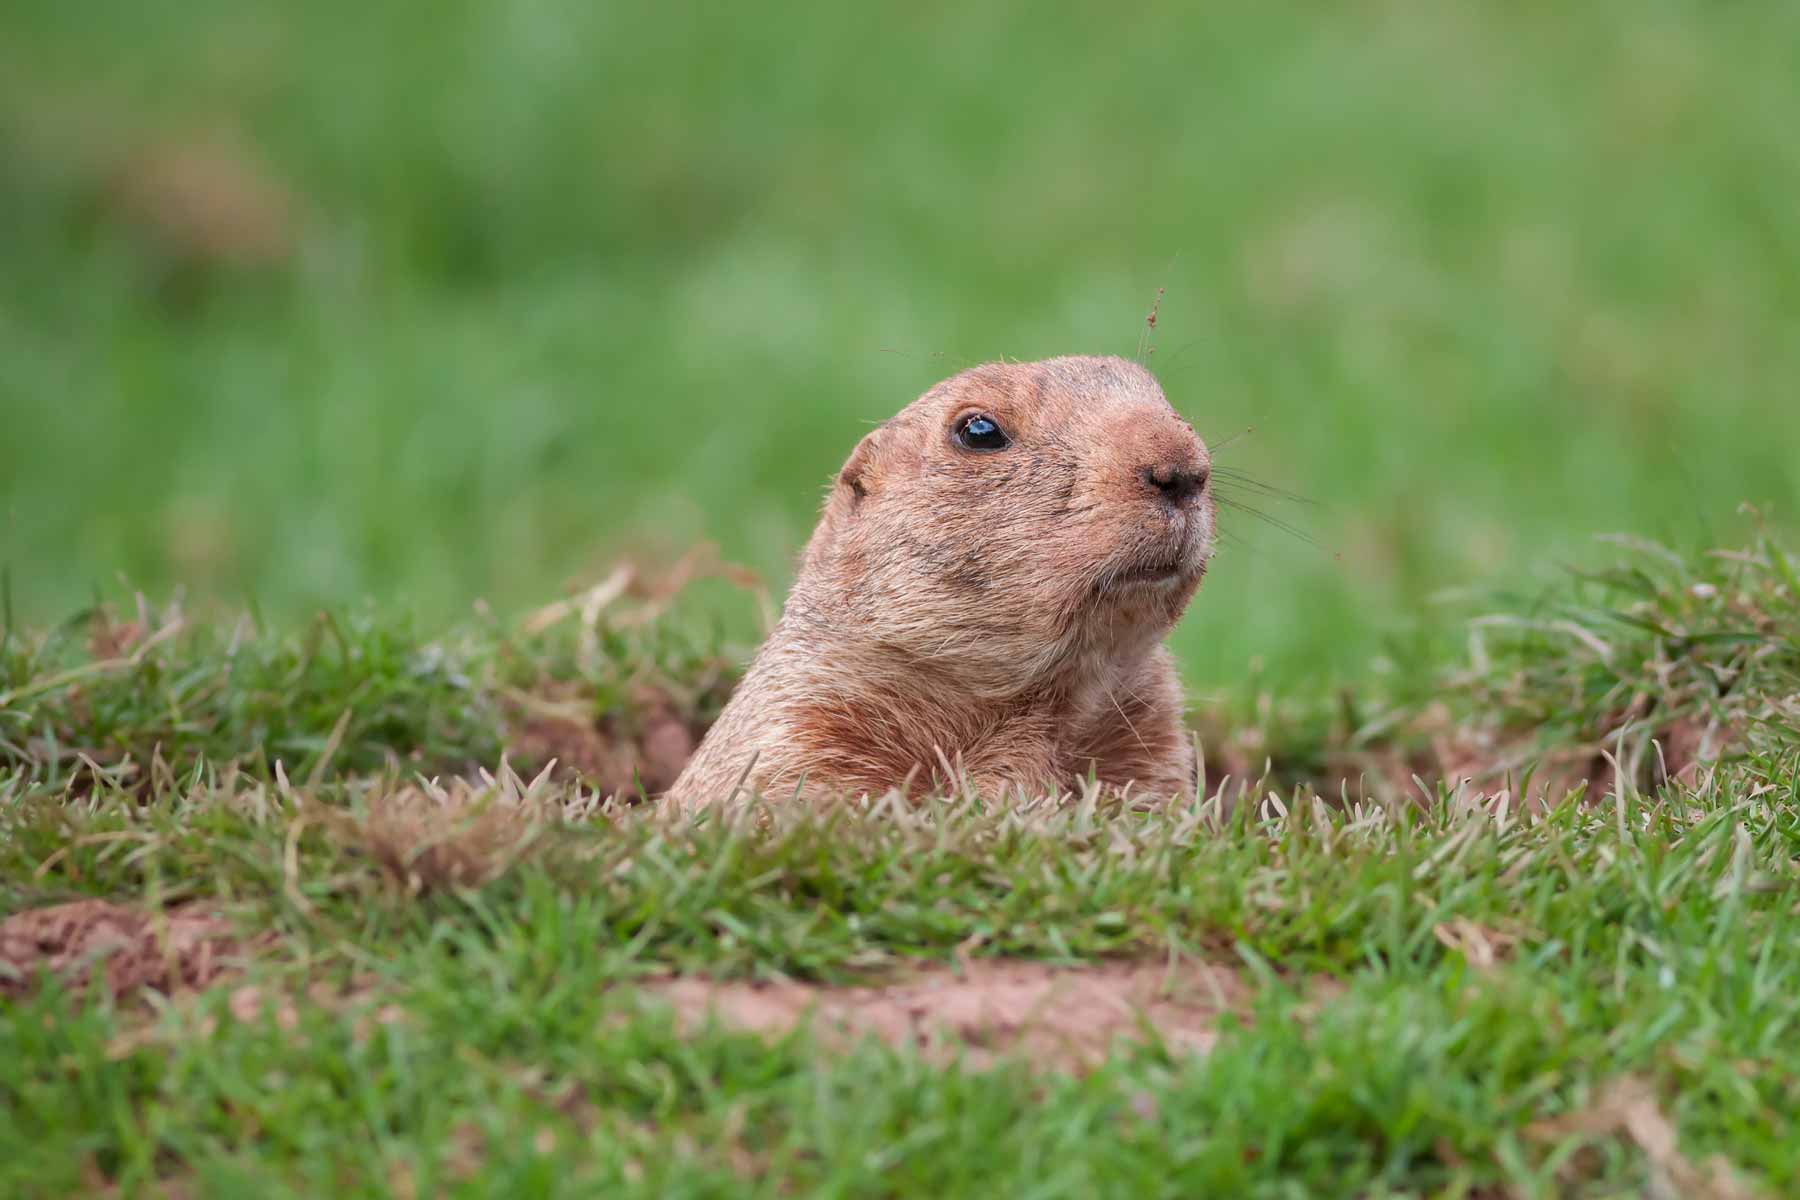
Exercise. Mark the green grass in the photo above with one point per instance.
(573, 278)
(353, 691)
(462, 1016)
(558, 282)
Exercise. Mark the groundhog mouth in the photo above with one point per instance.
(1156, 576)
(1155, 569)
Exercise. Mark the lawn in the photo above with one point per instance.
(346, 976)
(373, 378)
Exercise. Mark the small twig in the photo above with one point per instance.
(588, 604)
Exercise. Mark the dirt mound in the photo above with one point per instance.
(128, 948)
(1067, 1018)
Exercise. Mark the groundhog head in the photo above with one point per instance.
(1015, 520)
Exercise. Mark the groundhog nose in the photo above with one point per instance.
(1176, 483)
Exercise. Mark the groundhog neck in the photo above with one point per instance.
(869, 717)
(815, 658)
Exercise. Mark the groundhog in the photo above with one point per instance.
(984, 600)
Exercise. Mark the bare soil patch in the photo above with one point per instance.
(616, 753)
(1066, 1018)
(121, 948)
(637, 742)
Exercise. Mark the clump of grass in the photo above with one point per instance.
(1659, 663)
(126, 698)
(1654, 667)
(431, 836)
(160, 694)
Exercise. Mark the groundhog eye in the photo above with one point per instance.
(981, 432)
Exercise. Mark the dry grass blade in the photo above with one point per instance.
(1629, 1108)
(105, 666)
(429, 836)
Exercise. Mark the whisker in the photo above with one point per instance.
(1227, 479)
(1245, 432)
(1238, 543)
(1269, 519)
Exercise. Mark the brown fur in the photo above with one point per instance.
(979, 609)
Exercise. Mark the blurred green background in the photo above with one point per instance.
(430, 302)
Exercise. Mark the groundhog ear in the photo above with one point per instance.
(856, 475)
